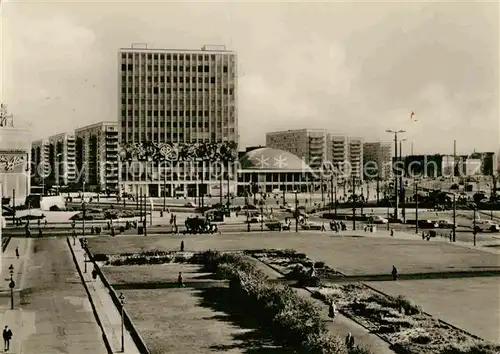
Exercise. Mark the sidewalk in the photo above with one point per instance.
(22, 323)
(107, 312)
(343, 325)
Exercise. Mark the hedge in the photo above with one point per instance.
(291, 319)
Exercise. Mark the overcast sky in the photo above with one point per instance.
(357, 68)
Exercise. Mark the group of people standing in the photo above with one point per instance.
(338, 226)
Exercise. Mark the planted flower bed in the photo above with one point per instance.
(290, 318)
(145, 258)
(293, 265)
(401, 322)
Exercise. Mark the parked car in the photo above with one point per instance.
(377, 219)
(486, 225)
(190, 205)
(309, 225)
(428, 224)
(277, 225)
(445, 224)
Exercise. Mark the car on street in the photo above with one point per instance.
(277, 225)
(445, 224)
(190, 205)
(310, 225)
(428, 224)
(486, 225)
(377, 219)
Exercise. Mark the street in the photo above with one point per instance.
(61, 317)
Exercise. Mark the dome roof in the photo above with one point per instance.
(272, 159)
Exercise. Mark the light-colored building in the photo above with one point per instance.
(308, 144)
(62, 158)
(356, 157)
(40, 162)
(377, 160)
(97, 156)
(14, 158)
(176, 96)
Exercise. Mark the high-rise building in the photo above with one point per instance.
(176, 96)
(356, 157)
(308, 144)
(62, 155)
(377, 160)
(97, 156)
(40, 161)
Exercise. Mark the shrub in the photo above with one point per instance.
(99, 257)
(292, 319)
(474, 348)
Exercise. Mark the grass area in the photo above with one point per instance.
(187, 321)
(470, 303)
(397, 319)
(151, 273)
(349, 255)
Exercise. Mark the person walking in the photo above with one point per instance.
(332, 310)
(180, 280)
(182, 246)
(395, 275)
(349, 341)
(7, 336)
(17, 252)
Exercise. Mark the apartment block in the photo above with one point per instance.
(97, 156)
(338, 154)
(308, 144)
(62, 158)
(176, 96)
(377, 160)
(356, 157)
(40, 159)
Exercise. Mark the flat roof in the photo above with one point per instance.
(158, 50)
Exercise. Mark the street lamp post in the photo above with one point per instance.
(416, 206)
(122, 302)
(85, 261)
(12, 284)
(353, 204)
(396, 190)
(474, 231)
(402, 194)
(296, 212)
(454, 218)
(83, 209)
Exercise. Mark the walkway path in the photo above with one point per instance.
(108, 314)
(52, 313)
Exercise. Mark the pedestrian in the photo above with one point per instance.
(423, 235)
(392, 232)
(349, 341)
(451, 236)
(332, 310)
(182, 246)
(45, 222)
(17, 252)
(180, 281)
(395, 275)
(38, 222)
(161, 213)
(323, 227)
(7, 335)
(39, 233)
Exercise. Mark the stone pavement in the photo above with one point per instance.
(21, 323)
(107, 312)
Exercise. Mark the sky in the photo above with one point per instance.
(354, 68)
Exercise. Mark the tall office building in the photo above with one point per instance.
(176, 96)
(377, 159)
(40, 161)
(308, 144)
(97, 156)
(338, 155)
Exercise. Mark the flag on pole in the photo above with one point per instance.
(412, 116)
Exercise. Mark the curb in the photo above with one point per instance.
(5, 242)
(96, 315)
(129, 325)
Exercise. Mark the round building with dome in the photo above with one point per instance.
(263, 170)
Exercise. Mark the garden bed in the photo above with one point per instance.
(401, 322)
(292, 264)
(144, 258)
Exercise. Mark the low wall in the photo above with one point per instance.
(129, 325)
(96, 315)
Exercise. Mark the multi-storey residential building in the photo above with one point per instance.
(377, 160)
(176, 96)
(356, 157)
(308, 144)
(97, 156)
(40, 161)
(62, 154)
(338, 155)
